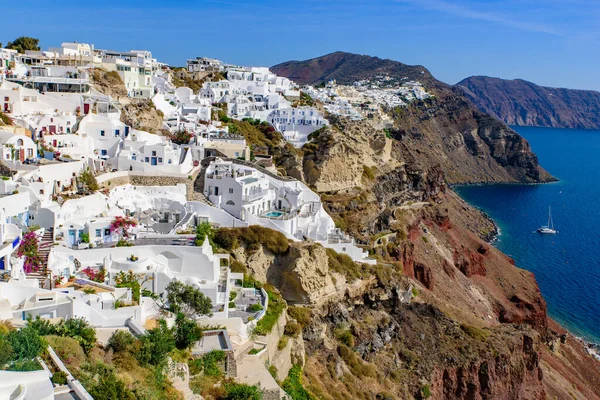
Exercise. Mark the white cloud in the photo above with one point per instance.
(486, 16)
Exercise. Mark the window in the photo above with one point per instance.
(169, 161)
(103, 152)
(116, 133)
(101, 133)
(147, 159)
(6, 98)
(230, 190)
(20, 142)
(107, 232)
(98, 232)
(29, 152)
(153, 153)
(237, 154)
(230, 203)
(159, 159)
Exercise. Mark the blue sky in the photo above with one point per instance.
(550, 42)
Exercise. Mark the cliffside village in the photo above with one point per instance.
(154, 192)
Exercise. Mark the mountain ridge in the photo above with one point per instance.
(524, 103)
(446, 130)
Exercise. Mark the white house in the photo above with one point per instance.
(284, 204)
(17, 147)
(145, 152)
(204, 64)
(106, 134)
(297, 123)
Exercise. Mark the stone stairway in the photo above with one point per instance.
(46, 244)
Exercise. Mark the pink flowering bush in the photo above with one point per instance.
(120, 225)
(29, 248)
(93, 275)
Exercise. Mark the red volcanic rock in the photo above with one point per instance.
(507, 376)
(522, 311)
(483, 249)
(424, 275)
(407, 258)
(473, 264)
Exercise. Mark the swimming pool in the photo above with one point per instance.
(273, 214)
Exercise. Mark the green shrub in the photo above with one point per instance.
(355, 363)
(368, 173)
(120, 341)
(343, 264)
(102, 383)
(232, 295)
(345, 337)
(474, 332)
(67, 349)
(85, 237)
(253, 237)
(240, 391)
(59, 378)
(293, 329)
(425, 392)
(80, 330)
(293, 384)
(25, 365)
(237, 266)
(282, 342)
(273, 371)
(425, 239)
(124, 243)
(274, 310)
(256, 307)
(302, 315)
(209, 363)
(231, 304)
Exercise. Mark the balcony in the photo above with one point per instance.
(254, 196)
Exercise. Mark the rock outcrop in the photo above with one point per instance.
(519, 102)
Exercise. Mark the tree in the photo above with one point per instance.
(6, 352)
(26, 343)
(89, 180)
(187, 332)
(203, 231)
(187, 299)
(133, 281)
(80, 330)
(157, 343)
(24, 43)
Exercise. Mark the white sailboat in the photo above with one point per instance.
(548, 229)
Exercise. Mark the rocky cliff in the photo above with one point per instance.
(519, 102)
(443, 314)
(445, 131)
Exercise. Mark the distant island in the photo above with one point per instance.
(519, 102)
